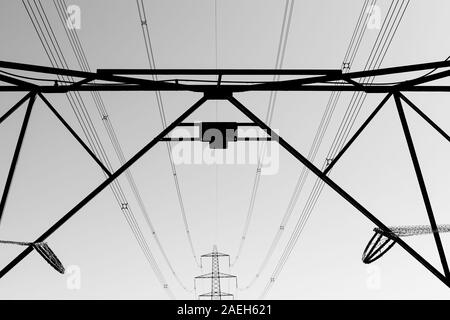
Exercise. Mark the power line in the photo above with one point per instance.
(352, 49)
(151, 61)
(107, 122)
(216, 52)
(53, 50)
(282, 43)
(318, 186)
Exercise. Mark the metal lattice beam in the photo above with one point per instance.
(311, 80)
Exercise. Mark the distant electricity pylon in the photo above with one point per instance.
(44, 250)
(215, 275)
(382, 241)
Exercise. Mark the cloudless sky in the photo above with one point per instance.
(54, 173)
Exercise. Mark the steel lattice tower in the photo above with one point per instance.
(215, 280)
(215, 275)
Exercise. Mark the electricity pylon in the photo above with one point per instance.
(19, 77)
(215, 275)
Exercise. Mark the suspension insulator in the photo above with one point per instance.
(44, 250)
(378, 245)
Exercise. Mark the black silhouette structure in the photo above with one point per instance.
(224, 89)
(218, 134)
(215, 276)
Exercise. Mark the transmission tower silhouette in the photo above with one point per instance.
(31, 80)
(215, 275)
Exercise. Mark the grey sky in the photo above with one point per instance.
(54, 173)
